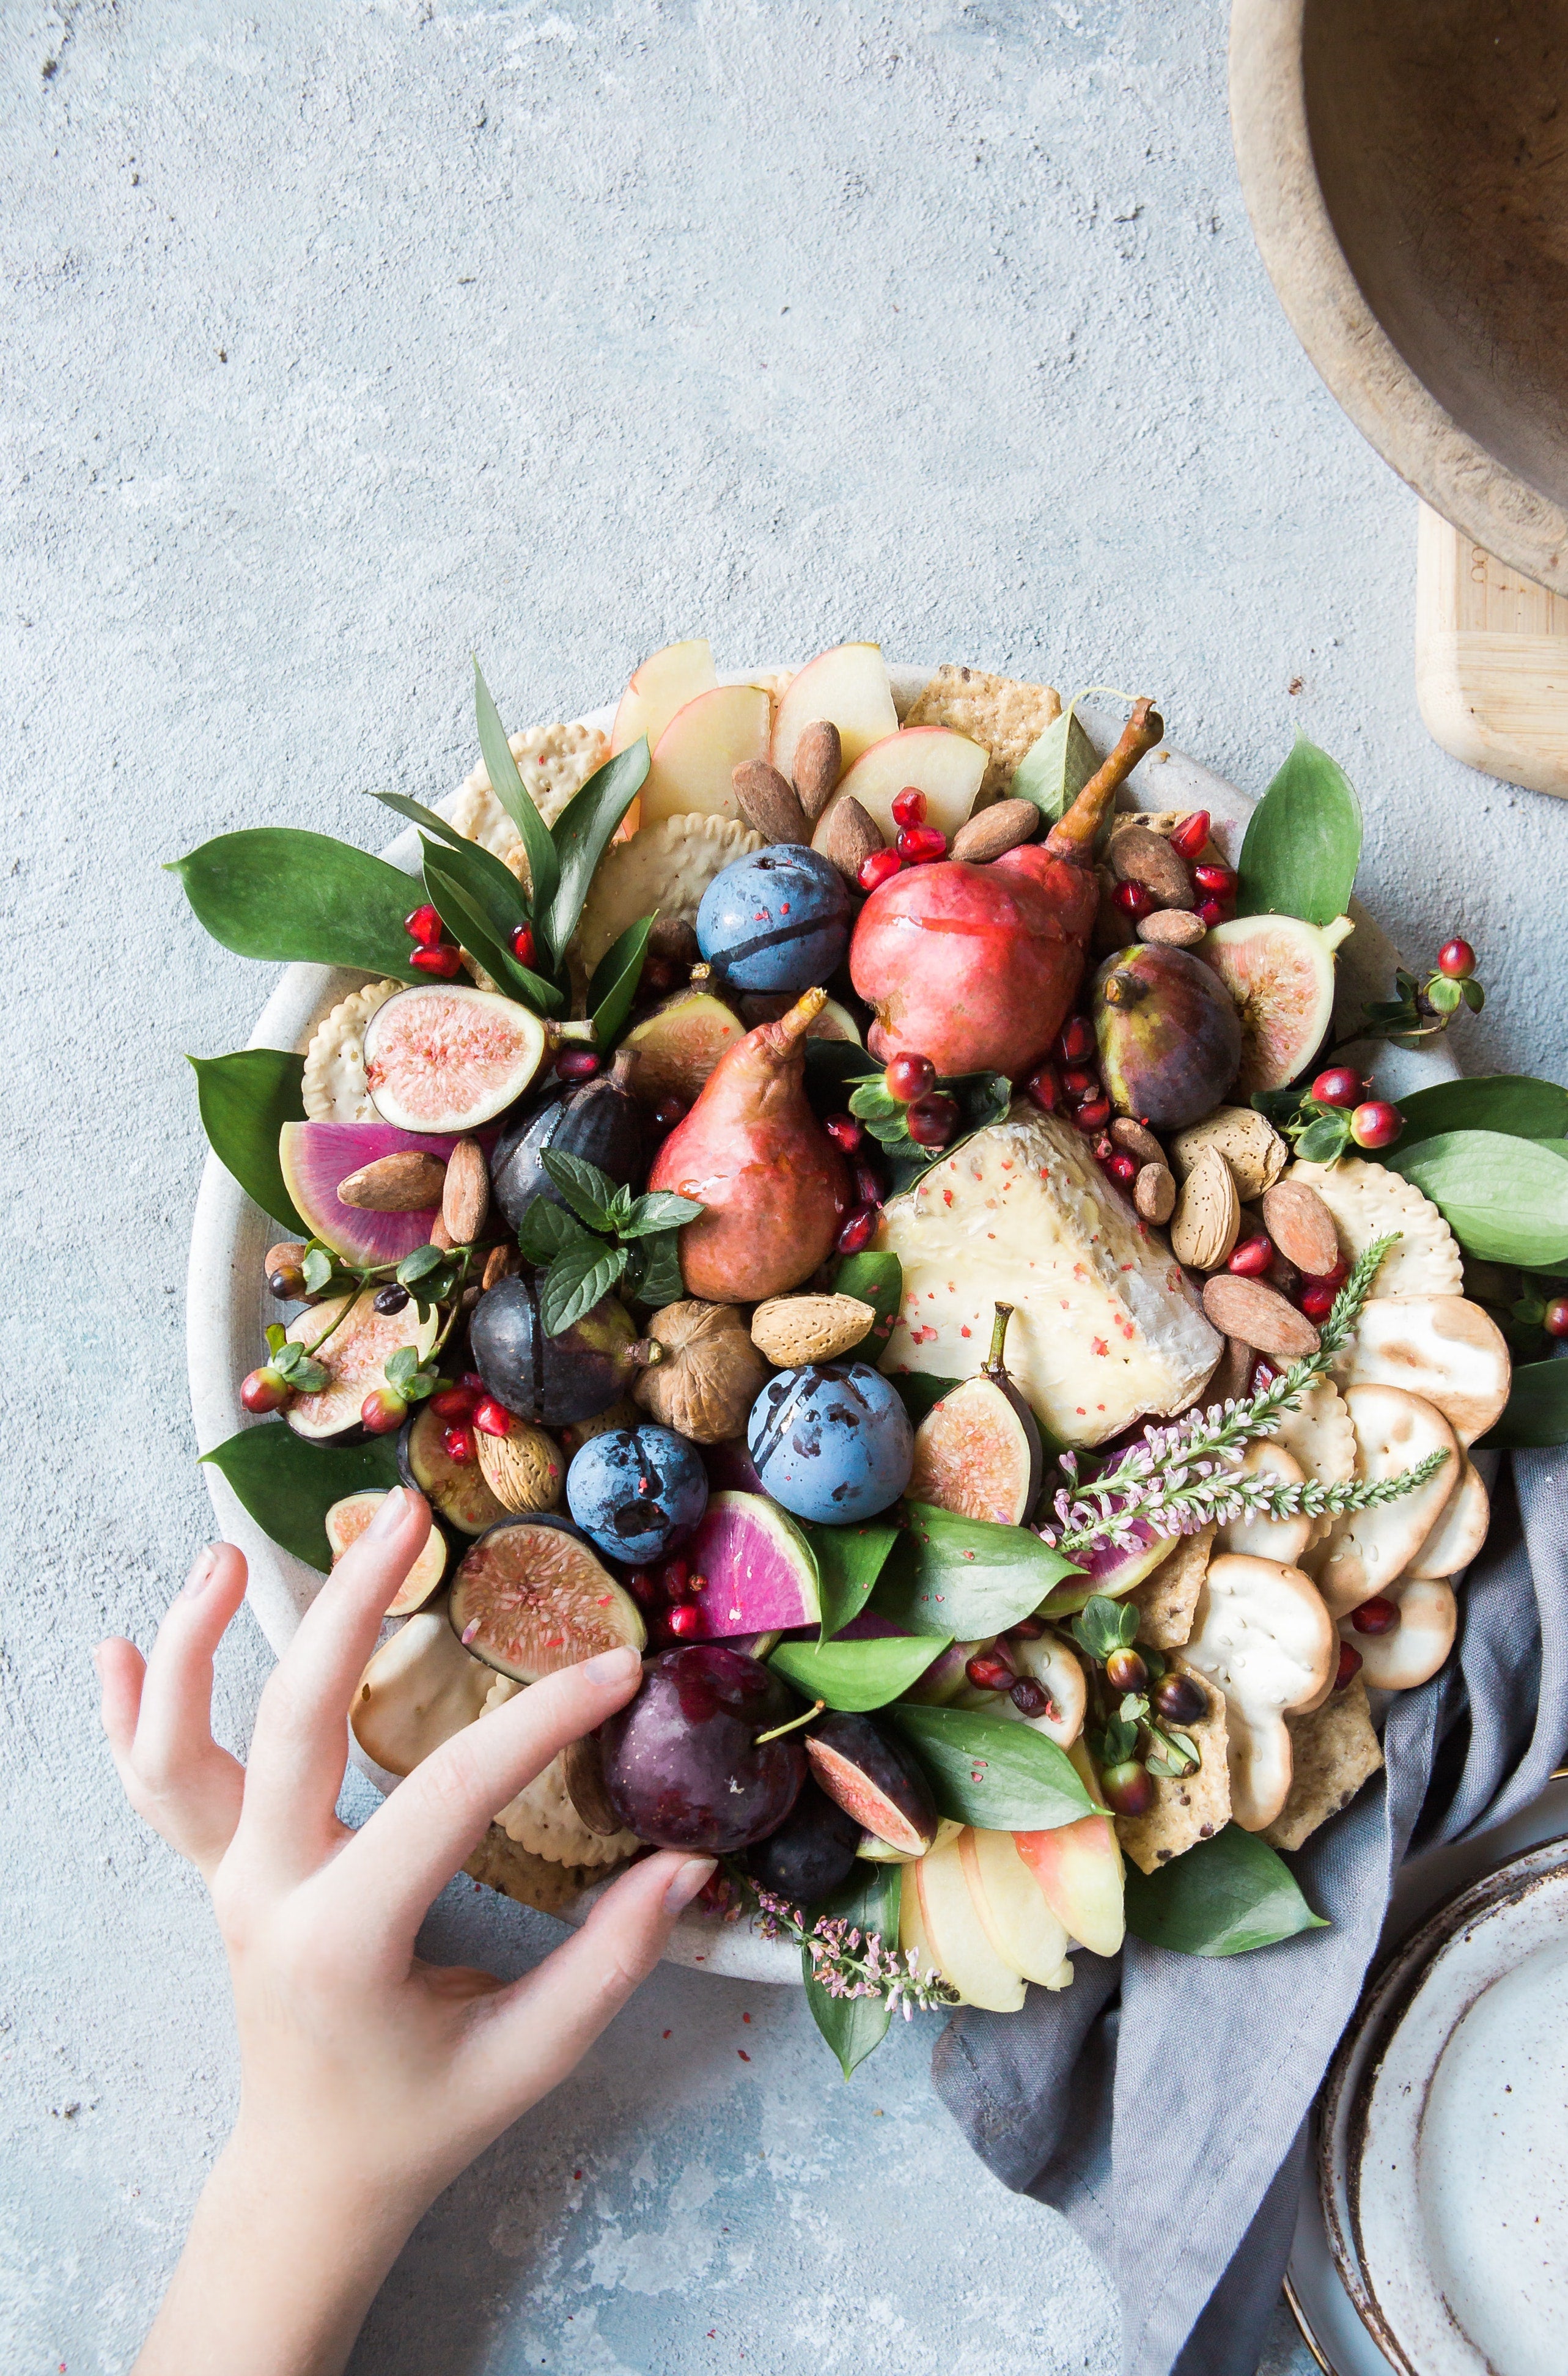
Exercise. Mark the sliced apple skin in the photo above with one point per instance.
(700, 749)
(911, 1923)
(1011, 1905)
(848, 684)
(947, 767)
(1079, 1870)
(963, 1950)
(665, 682)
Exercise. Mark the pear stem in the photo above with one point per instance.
(798, 1022)
(793, 1726)
(1073, 837)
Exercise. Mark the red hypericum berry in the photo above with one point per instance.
(1191, 834)
(1316, 1299)
(908, 1077)
(1377, 1616)
(1252, 1257)
(1340, 1086)
(1218, 880)
(1456, 959)
(1377, 1123)
(424, 926)
(880, 867)
(444, 962)
(492, 1417)
(1213, 912)
(1045, 1088)
(989, 1672)
(869, 1189)
(522, 946)
(1554, 1319)
(264, 1390)
(1127, 1789)
(1030, 1698)
(1349, 1666)
(576, 1064)
(845, 1132)
(453, 1402)
(668, 1111)
(858, 1230)
(382, 1410)
(1079, 1081)
(458, 1444)
(1027, 1629)
(933, 1120)
(682, 1622)
(1125, 1672)
(1178, 1699)
(1093, 1114)
(1122, 1167)
(919, 844)
(1135, 900)
(908, 806)
(1075, 1042)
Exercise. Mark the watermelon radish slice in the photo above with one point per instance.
(531, 1598)
(315, 1155)
(446, 1057)
(346, 1522)
(759, 1574)
(1109, 1571)
(354, 1358)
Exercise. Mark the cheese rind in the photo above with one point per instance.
(1105, 1330)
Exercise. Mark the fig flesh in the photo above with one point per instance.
(531, 1598)
(680, 1044)
(600, 1123)
(314, 1156)
(874, 1780)
(1169, 1033)
(354, 1357)
(552, 1380)
(444, 1057)
(811, 1854)
(1280, 972)
(978, 1451)
(686, 1765)
(454, 1490)
(757, 1569)
(346, 1522)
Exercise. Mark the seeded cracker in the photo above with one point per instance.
(543, 1820)
(1003, 715)
(334, 1087)
(1192, 1808)
(554, 763)
(501, 1864)
(1369, 1201)
(667, 866)
(1335, 1751)
(1165, 1599)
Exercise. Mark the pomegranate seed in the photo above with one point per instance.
(643, 1589)
(1103, 1149)
(1191, 834)
(869, 1189)
(879, 868)
(1378, 1616)
(453, 1403)
(989, 1672)
(1220, 880)
(1075, 1042)
(1338, 1087)
(492, 1417)
(844, 1131)
(919, 844)
(682, 1622)
(1122, 1168)
(1044, 1088)
(472, 1383)
(1316, 1299)
(1211, 912)
(458, 1444)
(1456, 959)
(1027, 1629)
(933, 1120)
(1252, 1257)
(676, 1578)
(908, 1077)
(1335, 1277)
(443, 962)
(1135, 900)
(264, 1390)
(1093, 1114)
(425, 926)
(576, 1064)
(1030, 1698)
(1080, 1082)
(382, 1410)
(909, 807)
(1554, 1319)
(1349, 1666)
(1377, 1123)
(857, 1230)
(668, 1111)
(522, 946)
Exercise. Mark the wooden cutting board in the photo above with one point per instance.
(1491, 660)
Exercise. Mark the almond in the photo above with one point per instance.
(1301, 1227)
(1134, 1138)
(441, 1236)
(524, 1469)
(289, 1256)
(1001, 827)
(1207, 1219)
(1175, 927)
(768, 802)
(465, 1200)
(398, 1183)
(1250, 1144)
(791, 1329)
(1259, 1316)
(848, 836)
(1154, 1194)
(1139, 856)
(501, 1262)
(819, 760)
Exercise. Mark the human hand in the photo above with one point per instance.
(369, 2077)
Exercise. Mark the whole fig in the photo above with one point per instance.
(1169, 1033)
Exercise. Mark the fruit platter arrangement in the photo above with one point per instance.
(815, 1186)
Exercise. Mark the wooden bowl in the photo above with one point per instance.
(1405, 163)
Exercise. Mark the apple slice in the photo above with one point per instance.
(962, 1947)
(1079, 1868)
(946, 766)
(911, 1924)
(849, 685)
(663, 684)
(699, 750)
(1013, 1912)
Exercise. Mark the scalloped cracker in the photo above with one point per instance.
(334, 1087)
(554, 763)
(1319, 1435)
(667, 866)
(1333, 1751)
(543, 1820)
(1369, 1201)
(503, 1865)
(1003, 715)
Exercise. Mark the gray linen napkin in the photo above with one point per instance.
(1161, 2101)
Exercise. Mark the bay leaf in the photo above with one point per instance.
(1537, 1410)
(302, 899)
(1303, 841)
(848, 1560)
(855, 2027)
(965, 1577)
(856, 1676)
(1505, 1198)
(245, 1099)
(1226, 1896)
(1506, 1101)
(983, 1770)
(288, 1485)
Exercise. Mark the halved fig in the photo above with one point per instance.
(354, 1357)
(1280, 973)
(419, 1688)
(531, 1598)
(346, 1522)
(679, 1044)
(978, 1451)
(444, 1057)
(554, 1381)
(314, 1156)
(872, 1850)
(874, 1780)
(454, 1490)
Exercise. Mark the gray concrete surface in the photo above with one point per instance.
(339, 341)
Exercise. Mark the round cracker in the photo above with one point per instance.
(1443, 1348)
(1274, 1539)
(1368, 1200)
(1319, 1434)
(542, 1818)
(1429, 1618)
(1368, 1548)
(1263, 1637)
(554, 763)
(334, 1087)
(1460, 1530)
(666, 867)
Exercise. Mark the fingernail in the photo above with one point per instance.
(687, 1879)
(389, 1517)
(201, 1573)
(615, 1666)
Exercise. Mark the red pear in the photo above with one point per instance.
(977, 967)
(773, 1185)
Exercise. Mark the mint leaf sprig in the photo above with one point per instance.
(603, 1238)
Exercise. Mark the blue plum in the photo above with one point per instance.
(831, 1442)
(777, 921)
(633, 1490)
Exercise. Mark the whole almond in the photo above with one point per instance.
(819, 761)
(1301, 1227)
(1139, 856)
(1259, 1316)
(1248, 1141)
(848, 836)
(524, 1469)
(768, 804)
(398, 1183)
(1154, 1194)
(289, 1256)
(1000, 827)
(1132, 1138)
(441, 1236)
(674, 939)
(465, 1200)
(792, 1329)
(501, 1262)
(1173, 928)
(1207, 1219)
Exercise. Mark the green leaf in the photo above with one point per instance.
(856, 1675)
(1303, 843)
(294, 898)
(586, 1189)
(547, 1230)
(289, 1485)
(876, 1279)
(579, 1277)
(582, 831)
(832, 1067)
(984, 1770)
(1103, 1625)
(658, 1279)
(855, 2027)
(1054, 770)
(510, 791)
(615, 979)
(1536, 1413)
(848, 1560)
(317, 1269)
(1504, 1102)
(1505, 1199)
(469, 924)
(919, 1391)
(419, 1265)
(659, 1211)
(1223, 1897)
(1324, 1141)
(245, 1099)
(502, 894)
(965, 1577)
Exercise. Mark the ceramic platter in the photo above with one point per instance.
(228, 1307)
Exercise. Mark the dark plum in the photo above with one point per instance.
(600, 1123)
(874, 1780)
(553, 1381)
(811, 1853)
(682, 1767)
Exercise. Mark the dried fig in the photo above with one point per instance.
(710, 1375)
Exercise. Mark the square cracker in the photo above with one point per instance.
(1003, 715)
(1335, 1750)
(1167, 1598)
(505, 1865)
(1192, 1808)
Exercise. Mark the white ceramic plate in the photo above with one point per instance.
(228, 1307)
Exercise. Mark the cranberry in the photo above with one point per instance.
(1045, 1088)
(1338, 1087)
(1080, 1082)
(1252, 1257)
(492, 1417)
(1376, 1124)
(1316, 1301)
(1554, 1319)
(453, 1402)
(908, 1077)
(1127, 1789)
(1135, 900)
(576, 1064)
(1213, 912)
(1075, 1042)
(1178, 1699)
(844, 1131)
(668, 1111)
(859, 1229)
(382, 1410)
(1122, 1167)
(933, 1120)
(989, 1672)
(1030, 1698)
(1376, 1616)
(1456, 959)
(909, 807)
(1125, 1672)
(425, 926)
(391, 1300)
(682, 1622)
(1191, 834)
(1093, 1114)
(879, 868)
(287, 1282)
(443, 962)
(522, 945)
(1219, 882)
(1349, 1666)
(458, 1444)
(869, 1189)
(264, 1390)
(1027, 1629)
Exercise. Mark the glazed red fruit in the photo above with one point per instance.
(1349, 1666)
(1134, 899)
(576, 1064)
(382, 1410)
(880, 867)
(1213, 912)
(682, 1622)
(909, 807)
(1125, 1672)
(1218, 880)
(1122, 1167)
(1191, 834)
(908, 1077)
(1030, 1698)
(1093, 1114)
(868, 1183)
(1076, 1041)
(1456, 959)
(458, 1444)
(933, 1120)
(858, 1230)
(1127, 1789)
(1378, 1616)
(1080, 1082)
(1554, 1319)
(921, 845)
(453, 1402)
(444, 962)
(424, 926)
(844, 1131)
(492, 1417)
(522, 945)
(264, 1390)
(1316, 1299)
(989, 1672)
(1045, 1088)
(668, 1111)
(1252, 1257)
(1338, 1087)
(1377, 1123)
